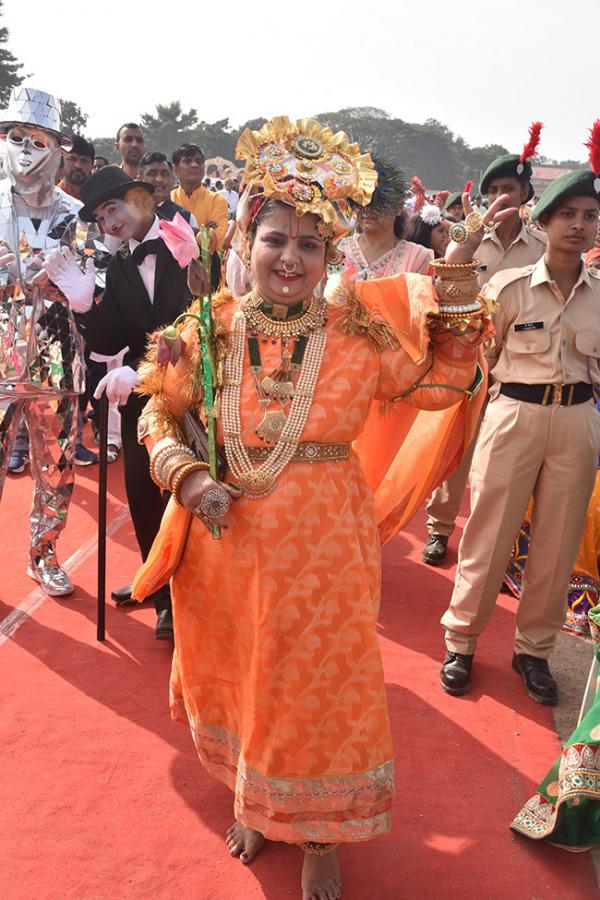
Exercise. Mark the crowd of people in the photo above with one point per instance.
(373, 348)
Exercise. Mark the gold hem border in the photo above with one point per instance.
(328, 808)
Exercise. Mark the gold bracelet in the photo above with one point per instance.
(159, 457)
(182, 474)
(169, 464)
(166, 445)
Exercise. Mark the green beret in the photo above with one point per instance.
(456, 197)
(509, 166)
(580, 183)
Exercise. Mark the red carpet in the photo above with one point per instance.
(103, 796)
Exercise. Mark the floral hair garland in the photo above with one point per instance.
(431, 214)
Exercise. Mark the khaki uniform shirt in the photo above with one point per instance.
(525, 250)
(541, 338)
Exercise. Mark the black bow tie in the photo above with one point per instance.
(143, 250)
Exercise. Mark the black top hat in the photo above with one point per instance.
(108, 183)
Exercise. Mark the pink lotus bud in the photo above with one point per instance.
(180, 239)
(169, 346)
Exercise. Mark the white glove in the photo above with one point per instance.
(118, 384)
(77, 286)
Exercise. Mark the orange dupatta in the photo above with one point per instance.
(405, 453)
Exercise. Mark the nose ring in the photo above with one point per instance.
(289, 269)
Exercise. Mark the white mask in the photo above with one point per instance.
(31, 161)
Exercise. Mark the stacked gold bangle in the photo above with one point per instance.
(166, 457)
(457, 289)
(170, 462)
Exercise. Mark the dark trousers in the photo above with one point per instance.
(146, 501)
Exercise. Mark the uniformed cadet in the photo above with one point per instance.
(540, 437)
(513, 244)
(453, 206)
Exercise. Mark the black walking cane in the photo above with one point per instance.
(102, 482)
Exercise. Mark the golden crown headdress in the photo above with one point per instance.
(306, 165)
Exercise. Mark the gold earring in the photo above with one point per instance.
(334, 256)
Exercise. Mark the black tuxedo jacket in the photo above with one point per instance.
(168, 208)
(125, 315)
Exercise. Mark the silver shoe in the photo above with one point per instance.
(51, 576)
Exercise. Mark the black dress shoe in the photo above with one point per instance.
(455, 674)
(164, 626)
(122, 596)
(536, 678)
(434, 551)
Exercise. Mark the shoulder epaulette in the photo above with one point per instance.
(502, 279)
(537, 234)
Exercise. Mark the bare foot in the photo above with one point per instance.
(321, 879)
(243, 842)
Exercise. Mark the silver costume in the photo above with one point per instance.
(41, 353)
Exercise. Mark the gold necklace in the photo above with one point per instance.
(259, 481)
(259, 322)
(277, 387)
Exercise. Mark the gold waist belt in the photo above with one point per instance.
(307, 452)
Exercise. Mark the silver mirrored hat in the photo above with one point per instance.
(28, 106)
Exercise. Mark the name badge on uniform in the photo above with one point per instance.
(528, 326)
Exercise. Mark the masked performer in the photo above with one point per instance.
(277, 667)
(41, 360)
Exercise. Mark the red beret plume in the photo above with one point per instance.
(593, 146)
(530, 148)
(468, 187)
(418, 189)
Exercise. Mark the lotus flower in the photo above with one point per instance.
(168, 346)
(180, 239)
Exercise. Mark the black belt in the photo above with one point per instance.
(548, 394)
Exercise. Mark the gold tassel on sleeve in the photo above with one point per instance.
(360, 321)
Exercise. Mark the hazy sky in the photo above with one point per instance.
(484, 69)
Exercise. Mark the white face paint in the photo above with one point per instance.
(31, 161)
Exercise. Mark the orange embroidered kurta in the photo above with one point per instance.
(277, 667)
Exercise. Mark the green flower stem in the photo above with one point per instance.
(204, 320)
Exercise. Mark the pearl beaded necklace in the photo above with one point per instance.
(260, 481)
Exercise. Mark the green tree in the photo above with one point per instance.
(572, 164)
(429, 149)
(253, 125)
(426, 150)
(478, 159)
(10, 76)
(215, 138)
(168, 127)
(105, 146)
(72, 118)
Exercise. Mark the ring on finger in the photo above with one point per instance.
(215, 503)
(474, 222)
(458, 232)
